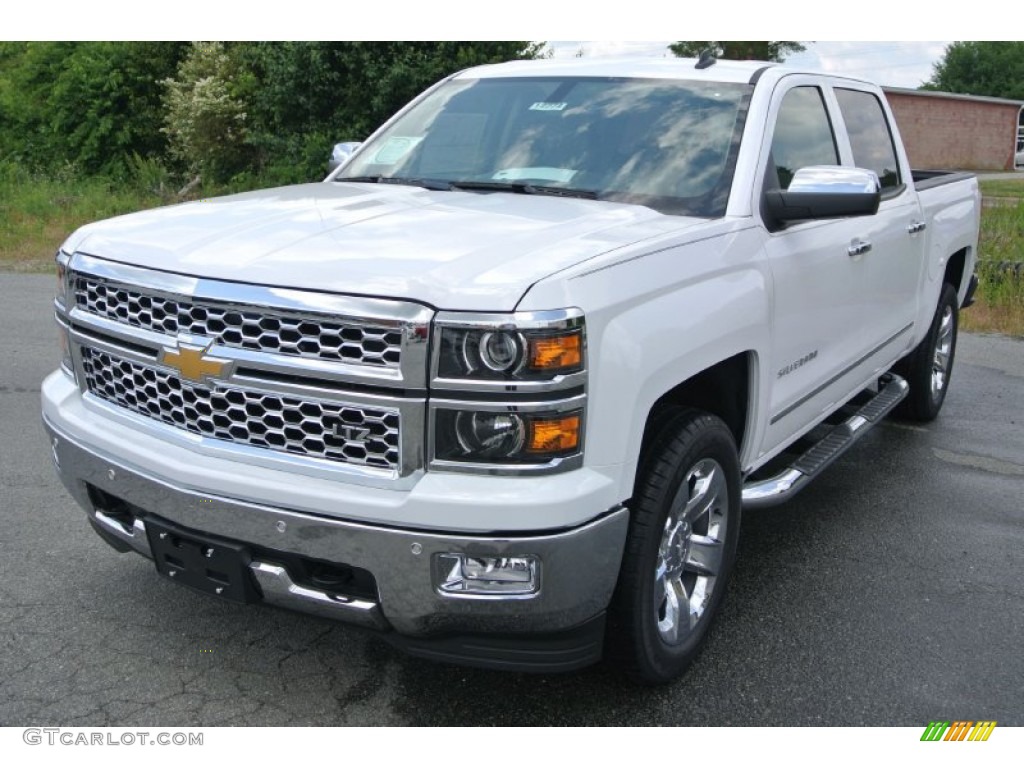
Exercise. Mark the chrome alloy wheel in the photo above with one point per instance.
(691, 551)
(943, 352)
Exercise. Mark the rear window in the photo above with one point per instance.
(872, 143)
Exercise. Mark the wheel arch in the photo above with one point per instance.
(724, 389)
(955, 271)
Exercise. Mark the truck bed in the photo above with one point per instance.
(928, 179)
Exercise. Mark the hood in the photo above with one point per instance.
(452, 250)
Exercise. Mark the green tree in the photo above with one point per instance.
(981, 68)
(773, 50)
(90, 104)
(303, 97)
(262, 112)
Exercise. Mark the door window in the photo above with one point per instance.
(803, 135)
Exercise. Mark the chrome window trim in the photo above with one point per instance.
(412, 319)
(566, 319)
(560, 464)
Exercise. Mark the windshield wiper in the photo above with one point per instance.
(519, 187)
(433, 184)
(522, 188)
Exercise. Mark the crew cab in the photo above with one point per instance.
(500, 387)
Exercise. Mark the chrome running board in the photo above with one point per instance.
(759, 494)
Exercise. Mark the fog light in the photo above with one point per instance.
(457, 573)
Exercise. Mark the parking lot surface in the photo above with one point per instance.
(890, 592)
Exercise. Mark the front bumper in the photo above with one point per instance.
(579, 566)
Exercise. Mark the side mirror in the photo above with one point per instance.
(341, 153)
(825, 192)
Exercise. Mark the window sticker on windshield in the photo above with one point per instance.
(548, 106)
(560, 175)
(395, 149)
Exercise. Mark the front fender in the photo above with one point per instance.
(657, 319)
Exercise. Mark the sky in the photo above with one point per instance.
(895, 63)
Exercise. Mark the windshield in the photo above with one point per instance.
(667, 144)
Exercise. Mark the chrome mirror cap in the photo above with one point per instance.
(341, 153)
(820, 179)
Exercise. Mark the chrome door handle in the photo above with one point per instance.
(917, 226)
(859, 247)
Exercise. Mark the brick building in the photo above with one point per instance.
(954, 131)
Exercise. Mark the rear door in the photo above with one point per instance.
(890, 272)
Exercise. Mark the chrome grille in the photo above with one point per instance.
(353, 434)
(253, 328)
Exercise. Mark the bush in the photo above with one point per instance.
(205, 120)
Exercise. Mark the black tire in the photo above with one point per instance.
(693, 458)
(928, 367)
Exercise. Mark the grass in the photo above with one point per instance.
(1011, 186)
(38, 212)
(999, 307)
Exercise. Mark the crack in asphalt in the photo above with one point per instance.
(986, 463)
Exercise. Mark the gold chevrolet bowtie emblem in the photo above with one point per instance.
(193, 363)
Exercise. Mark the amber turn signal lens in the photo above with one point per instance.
(556, 353)
(554, 435)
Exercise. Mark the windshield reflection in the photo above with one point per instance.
(667, 144)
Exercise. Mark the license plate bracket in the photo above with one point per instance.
(205, 563)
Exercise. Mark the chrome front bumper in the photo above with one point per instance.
(578, 573)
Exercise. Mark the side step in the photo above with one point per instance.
(760, 494)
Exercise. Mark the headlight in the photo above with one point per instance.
(508, 434)
(62, 259)
(508, 392)
(484, 435)
(520, 347)
(66, 362)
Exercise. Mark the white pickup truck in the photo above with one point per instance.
(501, 385)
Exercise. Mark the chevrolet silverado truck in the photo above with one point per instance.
(501, 386)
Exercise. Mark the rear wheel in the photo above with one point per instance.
(928, 367)
(680, 549)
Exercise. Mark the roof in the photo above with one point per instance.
(668, 67)
(955, 96)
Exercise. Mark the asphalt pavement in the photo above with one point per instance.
(890, 592)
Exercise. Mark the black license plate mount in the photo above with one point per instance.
(205, 563)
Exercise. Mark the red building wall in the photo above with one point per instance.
(958, 134)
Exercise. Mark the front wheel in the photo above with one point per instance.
(682, 539)
(928, 367)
